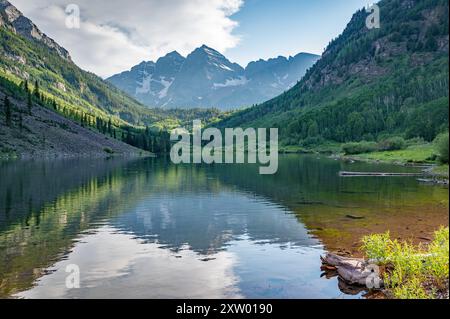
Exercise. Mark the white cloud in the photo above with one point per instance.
(117, 34)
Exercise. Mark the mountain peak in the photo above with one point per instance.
(174, 55)
(306, 54)
(208, 50)
(11, 13)
(207, 78)
(12, 19)
(4, 3)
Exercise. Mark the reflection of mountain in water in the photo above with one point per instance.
(305, 180)
(27, 186)
(207, 223)
(47, 207)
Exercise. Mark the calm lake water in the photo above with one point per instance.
(148, 229)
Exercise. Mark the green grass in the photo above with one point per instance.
(424, 153)
(442, 171)
(413, 272)
(293, 149)
(326, 147)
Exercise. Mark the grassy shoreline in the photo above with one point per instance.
(424, 154)
(414, 154)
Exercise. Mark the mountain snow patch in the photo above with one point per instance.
(144, 86)
(167, 85)
(233, 82)
(222, 66)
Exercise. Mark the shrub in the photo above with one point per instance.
(312, 141)
(108, 150)
(392, 144)
(359, 148)
(414, 268)
(439, 265)
(441, 143)
(368, 137)
(377, 247)
(413, 289)
(415, 141)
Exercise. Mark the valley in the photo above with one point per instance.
(89, 172)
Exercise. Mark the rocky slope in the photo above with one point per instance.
(13, 19)
(49, 135)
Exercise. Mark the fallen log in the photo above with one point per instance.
(353, 271)
(379, 174)
(354, 217)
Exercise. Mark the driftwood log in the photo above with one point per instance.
(353, 271)
(380, 174)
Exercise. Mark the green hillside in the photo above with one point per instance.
(72, 87)
(369, 84)
(36, 69)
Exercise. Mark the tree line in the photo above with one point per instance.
(154, 141)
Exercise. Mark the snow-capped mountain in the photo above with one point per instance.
(206, 78)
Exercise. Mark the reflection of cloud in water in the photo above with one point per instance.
(208, 223)
(116, 265)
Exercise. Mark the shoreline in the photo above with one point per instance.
(431, 171)
(415, 156)
(54, 156)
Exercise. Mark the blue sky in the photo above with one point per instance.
(269, 28)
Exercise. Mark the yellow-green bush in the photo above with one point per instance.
(412, 266)
(442, 147)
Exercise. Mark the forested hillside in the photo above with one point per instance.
(38, 73)
(22, 58)
(369, 84)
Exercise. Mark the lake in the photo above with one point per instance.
(144, 228)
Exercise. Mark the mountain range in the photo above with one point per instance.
(206, 78)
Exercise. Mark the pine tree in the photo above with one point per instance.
(29, 103)
(22, 85)
(7, 106)
(36, 92)
(129, 137)
(110, 127)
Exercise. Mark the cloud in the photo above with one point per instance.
(117, 34)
